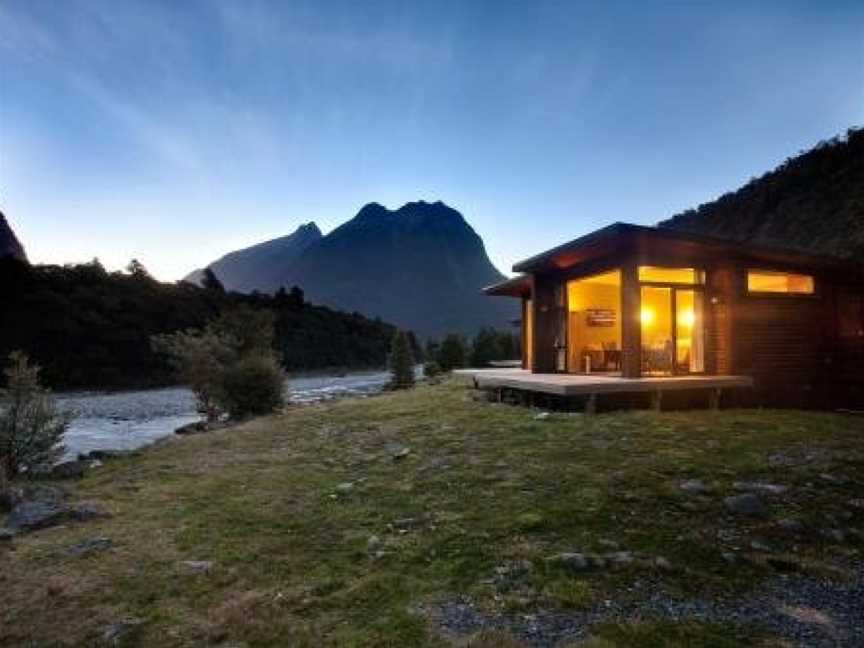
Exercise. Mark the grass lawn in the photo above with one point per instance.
(322, 530)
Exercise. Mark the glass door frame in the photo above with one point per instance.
(698, 289)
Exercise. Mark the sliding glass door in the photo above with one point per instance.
(673, 330)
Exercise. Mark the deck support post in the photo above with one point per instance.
(591, 405)
(656, 400)
(714, 398)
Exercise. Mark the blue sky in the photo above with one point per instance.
(176, 131)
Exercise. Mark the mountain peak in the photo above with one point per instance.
(309, 229)
(9, 244)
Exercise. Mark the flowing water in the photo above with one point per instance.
(131, 419)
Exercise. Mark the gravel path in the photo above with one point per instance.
(803, 610)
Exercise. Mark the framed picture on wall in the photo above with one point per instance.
(600, 317)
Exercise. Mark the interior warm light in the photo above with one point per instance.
(687, 318)
(646, 316)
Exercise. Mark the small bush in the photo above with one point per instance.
(431, 369)
(31, 427)
(401, 362)
(253, 385)
(230, 365)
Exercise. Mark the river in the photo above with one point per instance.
(131, 419)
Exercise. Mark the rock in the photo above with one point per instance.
(619, 558)
(834, 534)
(32, 515)
(693, 486)
(116, 633)
(373, 542)
(197, 566)
(399, 452)
(760, 545)
(91, 546)
(104, 455)
(837, 480)
(6, 535)
(69, 470)
(790, 526)
(748, 504)
(344, 488)
(87, 511)
(404, 523)
(542, 416)
(573, 561)
(661, 563)
(730, 557)
(760, 487)
(857, 503)
(196, 427)
(608, 544)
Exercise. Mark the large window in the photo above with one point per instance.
(594, 323)
(768, 281)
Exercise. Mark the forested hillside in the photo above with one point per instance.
(812, 202)
(89, 328)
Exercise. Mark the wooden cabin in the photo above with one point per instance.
(642, 302)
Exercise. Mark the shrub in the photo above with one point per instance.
(31, 427)
(431, 369)
(401, 362)
(253, 385)
(230, 365)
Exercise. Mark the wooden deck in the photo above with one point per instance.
(566, 385)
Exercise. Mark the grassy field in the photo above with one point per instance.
(358, 522)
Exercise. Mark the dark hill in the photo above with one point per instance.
(421, 266)
(257, 266)
(813, 202)
(9, 244)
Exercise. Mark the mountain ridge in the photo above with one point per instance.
(10, 246)
(421, 266)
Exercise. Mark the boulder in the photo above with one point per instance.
(747, 504)
(6, 535)
(37, 514)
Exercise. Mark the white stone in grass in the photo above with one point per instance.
(344, 487)
(197, 566)
(760, 487)
(693, 486)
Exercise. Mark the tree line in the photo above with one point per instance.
(90, 328)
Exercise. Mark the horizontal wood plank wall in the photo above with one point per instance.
(781, 342)
(848, 369)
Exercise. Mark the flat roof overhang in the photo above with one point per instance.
(516, 287)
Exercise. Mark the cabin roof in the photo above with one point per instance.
(610, 238)
(513, 287)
